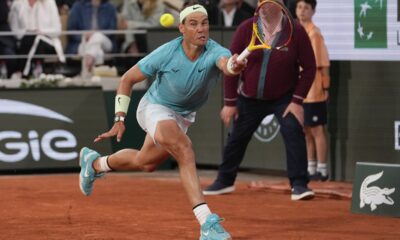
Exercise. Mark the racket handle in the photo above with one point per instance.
(243, 55)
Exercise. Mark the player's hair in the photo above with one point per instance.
(313, 3)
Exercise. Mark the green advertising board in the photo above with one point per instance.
(45, 128)
(376, 189)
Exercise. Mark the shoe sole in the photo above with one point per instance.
(304, 196)
(219, 192)
(221, 239)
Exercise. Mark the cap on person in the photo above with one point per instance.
(191, 9)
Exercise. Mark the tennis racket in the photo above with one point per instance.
(272, 28)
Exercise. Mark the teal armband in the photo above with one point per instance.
(122, 103)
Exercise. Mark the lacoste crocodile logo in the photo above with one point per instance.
(374, 195)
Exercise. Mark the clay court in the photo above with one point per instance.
(154, 207)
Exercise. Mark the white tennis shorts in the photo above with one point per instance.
(149, 114)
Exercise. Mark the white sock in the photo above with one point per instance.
(201, 212)
(322, 169)
(312, 167)
(104, 164)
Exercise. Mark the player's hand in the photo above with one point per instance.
(297, 110)
(227, 113)
(238, 66)
(117, 130)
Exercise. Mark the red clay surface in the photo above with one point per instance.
(131, 206)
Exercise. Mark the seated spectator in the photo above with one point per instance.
(174, 7)
(138, 14)
(7, 43)
(249, 6)
(64, 5)
(94, 15)
(41, 18)
(231, 13)
(117, 4)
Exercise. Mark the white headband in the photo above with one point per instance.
(191, 9)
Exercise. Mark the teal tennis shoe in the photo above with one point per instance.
(213, 230)
(87, 174)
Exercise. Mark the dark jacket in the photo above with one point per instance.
(5, 41)
(238, 18)
(80, 18)
(283, 75)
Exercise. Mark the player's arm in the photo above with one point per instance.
(326, 80)
(229, 66)
(130, 77)
(122, 99)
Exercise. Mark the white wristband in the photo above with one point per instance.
(229, 66)
(122, 103)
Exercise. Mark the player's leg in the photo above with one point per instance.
(146, 159)
(94, 166)
(251, 113)
(175, 141)
(312, 163)
(296, 151)
(171, 138)
(319, 135)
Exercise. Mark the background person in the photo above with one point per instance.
(232, 13)
(93, 15)
(138, 14)
(40, 17)
(7, 43)
(315, 105)
(270, 84)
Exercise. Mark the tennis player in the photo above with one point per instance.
(184, 71)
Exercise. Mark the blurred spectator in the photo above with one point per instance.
(174, 7)
(92, 15)
(212, 7)
(249, 6)
(37, 26)
(64, 5)
(117, 4)
(291, 5)
(7, 43)
(138, 14)
(231, 13)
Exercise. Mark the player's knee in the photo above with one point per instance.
(175, 145)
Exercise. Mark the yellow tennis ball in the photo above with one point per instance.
(167, 20)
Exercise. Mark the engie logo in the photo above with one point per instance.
(15, 146)
(370, 23)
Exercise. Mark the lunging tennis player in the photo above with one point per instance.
(184, 71)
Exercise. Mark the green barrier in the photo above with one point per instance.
(374, 189)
